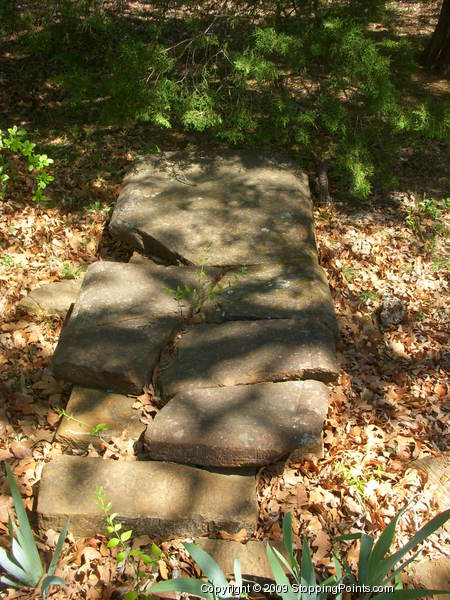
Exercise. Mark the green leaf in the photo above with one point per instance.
(339, 574)
(113, 542)
(48, 581)
(121, 556)
(384, 542)
(25, 537)
(131, 595)
(156, 550)
(125, 536)
(59, 545)
(12, 568)
(389, 563)
(207, 564)
(237, 572)
(363, 561)
(189, 586)
(308, 576)
(405, 594)
(279, 575)
(284, 561)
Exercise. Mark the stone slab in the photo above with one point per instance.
(246, 207)
(153, 498)
(253, 556)
(275, 292)
(431, 575)
(244, 352)
(53, 298)
(91, 407)
(123, 318)
(245, 425)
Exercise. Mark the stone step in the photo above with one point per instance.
(246, 425)
(245, 207)
(244, 352)
(123, 318)
(275, 291)
(88, 408)
(54, 298)
(153, 498)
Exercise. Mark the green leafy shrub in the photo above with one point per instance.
(23, 565)
(15, 143)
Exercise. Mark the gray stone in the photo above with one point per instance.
(153, 498)
(431, 575)
(253, 556)
(53, 298)
(275, 292)
(122, 320)
(247, 208)
(391, 311)
(90, 407)
(243, 352)
(245, 425)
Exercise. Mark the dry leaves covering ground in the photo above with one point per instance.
(389, 407)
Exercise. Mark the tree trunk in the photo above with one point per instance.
(437, 51)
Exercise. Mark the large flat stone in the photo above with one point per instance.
(243, 352)
(53, 298)
(154, 498)
(90, 407)
(275, 291)
(248, 208)
(123, 318)
(245, 425)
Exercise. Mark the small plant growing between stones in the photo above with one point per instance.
(196, 296)
(16, 144)
(95, 430)
(137, 559)
(23, 566)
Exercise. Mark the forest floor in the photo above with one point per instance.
(389, 407)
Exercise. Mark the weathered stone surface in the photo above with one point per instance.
(91, 407)
(53, 298)
(154, 498)
(275, 292)
(247, 208)
(123, 318)
(253, 556)
(437, 471)
(431, 575)
(245, 425)
(243, 352)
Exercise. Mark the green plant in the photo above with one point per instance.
(95, 430)
(195, 296)
(378, 569)
(16, 143)
(136, 558)
(69, 271)
(23, 565)
(368, 296)
(349, 273)
(217, 585)
(353, 478)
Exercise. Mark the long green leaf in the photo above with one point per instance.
(13, 569)
(339, 575)
(190, 586)
(389, 563)
(10, 583)
(28, 544)
(364, 554)
(59, 545)
(208, 565)
(287, 541)
(279, 575)
(384, 542)
(405, 594)
(308, 576)
(284, 561)
(48, 581)
(237, 572)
